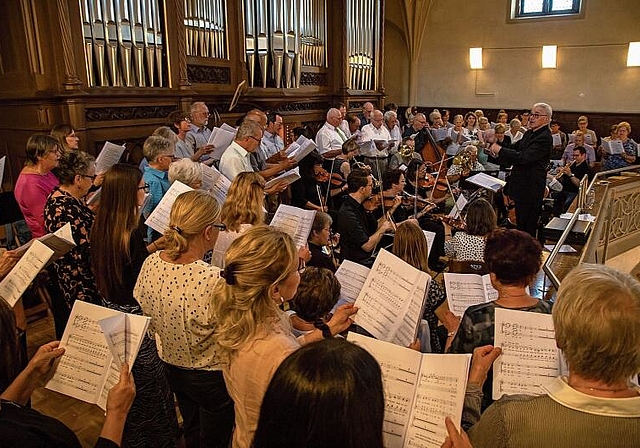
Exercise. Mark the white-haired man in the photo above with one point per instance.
(330, 137)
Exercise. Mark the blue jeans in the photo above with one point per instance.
(205, 405)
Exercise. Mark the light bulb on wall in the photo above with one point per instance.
(475, 57)
(549, 53)
(633, 56)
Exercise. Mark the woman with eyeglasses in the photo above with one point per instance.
(36, 181)
(262, 271)
(182, 320)
(66, 204)
(67, 137)
(118, 251)
(243, 209)
(322, 240)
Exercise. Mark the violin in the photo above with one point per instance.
(372, 203)
(321, 175)
(456, 223)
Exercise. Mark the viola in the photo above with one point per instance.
(456, 223)
(321, 175)
(337, 180)
(372, 203)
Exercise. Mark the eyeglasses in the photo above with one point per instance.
(220, 226)
(255, 138)
(90, 177)
(145, 187)
(171, 156)
(302, 266)
(204, 113)
(536, 116)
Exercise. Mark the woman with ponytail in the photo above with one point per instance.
(172, 289)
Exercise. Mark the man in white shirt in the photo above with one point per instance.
(236, 159)
(377, 132)
(330, 137)
(344, 125)
(391, 123)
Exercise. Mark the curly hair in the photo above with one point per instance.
(245, 202)
(73, 163)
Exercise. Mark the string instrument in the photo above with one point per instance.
(372, 203)
(434, 154)
(456, 223)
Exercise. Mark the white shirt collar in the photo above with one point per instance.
(560, 392)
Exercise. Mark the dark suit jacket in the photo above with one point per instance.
(530, 158)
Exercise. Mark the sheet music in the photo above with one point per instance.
(215, 183)
(301, 151)
(486, 181)
(292, 147)
(465, 290)
(351, 276)
(430, 237)
(557, 141)
(109, 156)
(95, 197)
(368, 149)
(613, 146)
(61, 241)
(87, 370)
(461, 202)
(221, 138)
(288, 176)
(158, 220)
(408, 331)
(440, 133)
(529, 353)
(388, 295)
(294, 221)
(114, 329)
(20, 277)
(420, 390)
(3, 162)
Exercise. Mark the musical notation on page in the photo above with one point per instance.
(158, 220)
(465, 290)
(295, 222)
(20, 277)
(351, 276)
(529, 357)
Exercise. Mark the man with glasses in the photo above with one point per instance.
(359, 231)
(530, 158)
(198, 136)
(417, 131)
(236, 159)
(159, 153)
(376, 131)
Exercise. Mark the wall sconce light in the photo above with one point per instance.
(549, 53)
(633, 56)
(475, 57)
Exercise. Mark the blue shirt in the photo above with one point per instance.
(158, 185)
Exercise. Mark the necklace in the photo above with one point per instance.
(601, 389)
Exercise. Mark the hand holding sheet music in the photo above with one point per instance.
(529, 357)
(20, 277)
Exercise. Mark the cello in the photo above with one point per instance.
(433, 154)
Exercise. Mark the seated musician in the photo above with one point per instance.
(319, 239)
(571, 176)
(463, 163)
(310, 191)
(359, 230)
(405, 154)
(481, 220)
(420, 182)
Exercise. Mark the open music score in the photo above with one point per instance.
(215, 183)
(20, 277)
(351, 276)
(529, 357)
(109, 155)
(295, 222)
(158, 220)
(287, 177)
(420, 391)
(465, 290)
(89, 369)
(221, 138)
(301, 148)
(392, 299)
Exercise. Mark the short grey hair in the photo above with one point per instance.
(166, 132)
(389, 114)
(155, 146)
(248, 129)
(546, 107)
(186, 171)
(333, 112)
(197, 105)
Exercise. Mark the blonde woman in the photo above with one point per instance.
(181, 318)
(262, 271)
(243, 209)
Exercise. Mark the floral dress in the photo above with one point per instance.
(73, 270)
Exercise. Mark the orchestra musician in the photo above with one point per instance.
(570, 176)
(360, 231)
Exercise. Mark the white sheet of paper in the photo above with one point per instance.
(20, 277)
(486, 181)
(351, 276)
(288, 176)
(214, 182)
(430, 237)
(303, 150)
(3, 162)
(529, 357)
(220, 138)
(461, 202)
(158, 220)
(295, 222)
(465, 290)
(109, 155)
(95, 197)
(557, 141)
(115, 329)
(87, 370)
(61, 241)
(390, 300)
(420, 390)
(613, 146)
(439, 134)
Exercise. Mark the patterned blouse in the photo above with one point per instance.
(614, 161)
(74, 268)
(465, 247)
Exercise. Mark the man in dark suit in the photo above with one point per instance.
(529, 157)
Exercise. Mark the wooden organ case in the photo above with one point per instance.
(114, 69)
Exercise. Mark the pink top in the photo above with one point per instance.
(31, 192)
